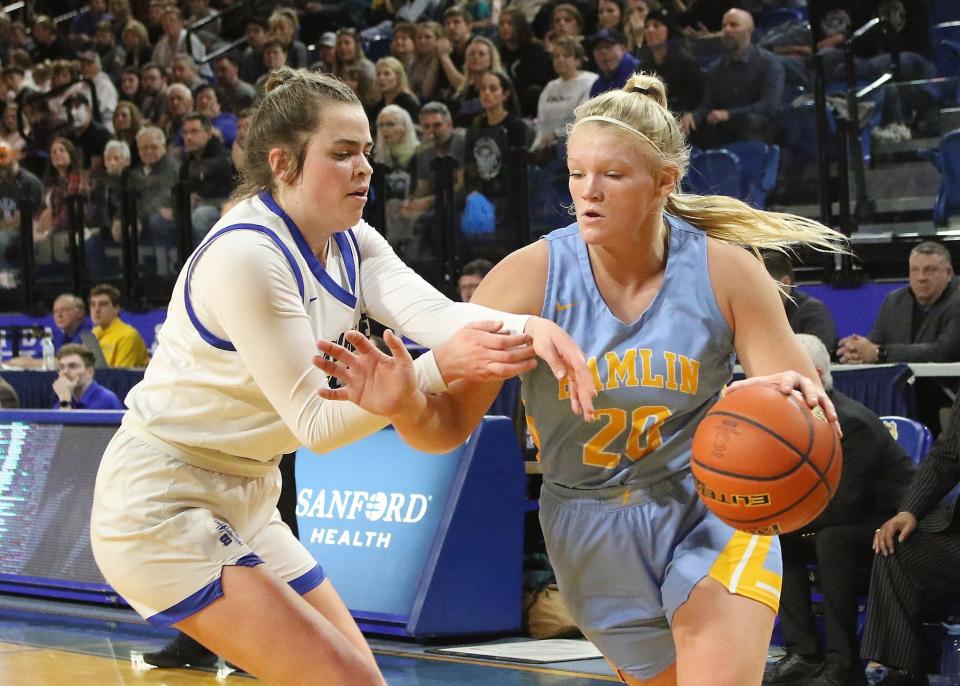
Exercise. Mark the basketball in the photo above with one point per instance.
(764, 462)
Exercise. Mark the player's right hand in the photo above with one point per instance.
(894, 530)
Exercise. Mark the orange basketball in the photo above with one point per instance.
(763, 462)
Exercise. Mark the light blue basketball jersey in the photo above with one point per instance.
(656, 377)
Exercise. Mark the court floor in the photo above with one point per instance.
(46, 644)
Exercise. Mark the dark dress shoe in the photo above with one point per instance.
(835, 674)
(792, 669)
(182, 651)
(895, 677)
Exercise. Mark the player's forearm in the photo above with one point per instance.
(439, 423)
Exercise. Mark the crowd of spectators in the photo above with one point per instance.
(509, 74)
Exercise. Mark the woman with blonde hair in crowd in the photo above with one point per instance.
(481, 57)
(136, 44)
(396, 143)
(283, 25)
(394, 88)
(350, 54)
(426, 75)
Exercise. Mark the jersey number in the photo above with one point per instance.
(644, 435)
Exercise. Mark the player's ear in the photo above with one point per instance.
(279, 160)
(667, 180)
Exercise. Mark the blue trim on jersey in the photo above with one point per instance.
(343, 244)
(307, 582)
(199, 600)
(205, 333)
(356, 244)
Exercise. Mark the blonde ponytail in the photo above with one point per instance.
(641, 107)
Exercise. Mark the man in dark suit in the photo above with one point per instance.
(805, 313)
(876, 473)
(918, 555)
(920, 323)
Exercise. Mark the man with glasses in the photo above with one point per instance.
(74, 385)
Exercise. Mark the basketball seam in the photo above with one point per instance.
(748, 420)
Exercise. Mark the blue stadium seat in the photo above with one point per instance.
(945, 39)
(714, 172)
(947, 161)
(915, 438)
(759, 164)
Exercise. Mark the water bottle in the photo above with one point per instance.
(950, 665)
(49, 357)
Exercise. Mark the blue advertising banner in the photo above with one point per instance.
(373, 506)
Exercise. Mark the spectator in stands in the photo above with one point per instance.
(482, 57)
(121, 344)
(918, 554)
(876, 473)
(565, 20)
(69, 323)
(90, 68)
(283, 25)
(208, 170)
(130, 86)
(524, 58)
(428, 79)
(561, 96)
(327, 52)
(127, 122)
(452, 46)
(64, 74)
(184, 70)
(103, 210)
(743, 89)
(20, 37)
(634, 25)
(493, 142)
(9, 130)
(806, 314)
(179, 105)
(251, 62)
(120, 14)
(88, 135)
(614, 64)
(20, 191)
(42, 125)
(174, 42)
(610, 15)
(153, 183)
(136, 44)
(84, 25)
(48, 44)
(112, 55)
(198, 10)
(440, 140)
(919, 323)
(9, 400)
(153, 84)
(274, 55)
(470, 277)
(394, 88)
(15, 84)
(224, 123)
(395, 145)
(350, 53)
(154, 22)
(403, 44)
(65, 179)
(235, 94)
(665, 53)
(74, 386)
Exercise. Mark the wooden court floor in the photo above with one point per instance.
(42, 648)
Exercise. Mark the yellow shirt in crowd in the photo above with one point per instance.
(122, 345)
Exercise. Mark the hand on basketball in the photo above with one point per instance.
(567, 361)
(385, 385)
(478, 352)
(894, 530)
(790, 382)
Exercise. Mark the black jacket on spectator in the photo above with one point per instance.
(808, 315)
(91, 141)
(59, 49)
(211, 175)
(681, 73)
(752, 85)
(937, 338)
(529, 67)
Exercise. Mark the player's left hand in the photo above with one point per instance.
(794, 383)
(566, 360)
(385, 385)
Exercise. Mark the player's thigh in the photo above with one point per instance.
(264, 626)
(721, 638)
(667, 677)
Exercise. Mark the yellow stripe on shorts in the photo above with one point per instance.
(740, 568)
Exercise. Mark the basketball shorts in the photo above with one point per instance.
(627, 558)
(162, 530)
